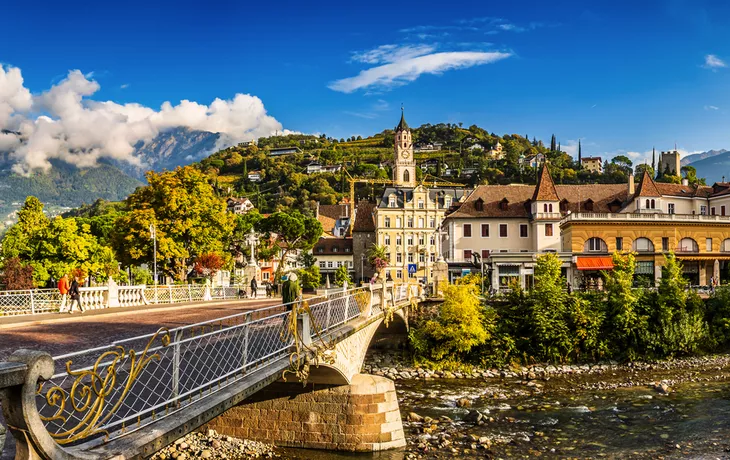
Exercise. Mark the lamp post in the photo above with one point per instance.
(153, 235)
(362, 268)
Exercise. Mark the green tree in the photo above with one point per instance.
(188, 216)
(639, 170)
(290, 231)
(625, 326)
(547, 310)
(342, 276)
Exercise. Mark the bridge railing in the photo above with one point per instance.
(105, 392)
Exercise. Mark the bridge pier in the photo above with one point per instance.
(363, 416)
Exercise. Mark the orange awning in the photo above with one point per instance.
(594, 263)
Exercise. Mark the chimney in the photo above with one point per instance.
(632, 186)
(685, 181)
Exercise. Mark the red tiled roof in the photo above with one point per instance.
(545, 189)
(364, 219)
(647, 187)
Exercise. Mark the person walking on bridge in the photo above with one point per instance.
(75, 295)
(63, 290)
(254, 286)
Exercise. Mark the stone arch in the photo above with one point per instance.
(687, 244)
(643, 244)
(725, 246)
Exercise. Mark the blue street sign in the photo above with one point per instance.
(411, 269)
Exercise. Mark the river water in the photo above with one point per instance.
(563, 417)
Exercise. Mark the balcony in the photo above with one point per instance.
(547, 216)
(645, 217)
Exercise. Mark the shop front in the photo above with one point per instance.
(590, 271)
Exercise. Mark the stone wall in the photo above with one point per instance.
(363, 416)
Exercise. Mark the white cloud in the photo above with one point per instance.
(391, 53)
(124, 86)
(714, 62)
(79, 130)
(511, 27)
(405, 70)
(712, 107)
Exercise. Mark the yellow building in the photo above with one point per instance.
(408, 216)
(593, 164)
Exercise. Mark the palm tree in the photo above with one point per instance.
(377, 257)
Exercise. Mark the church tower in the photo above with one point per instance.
(404, 168)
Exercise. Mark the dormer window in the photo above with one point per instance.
(588, 205)
(564, 205)
(447, 201)
(479, 205)
(392, 201)
(503, 204)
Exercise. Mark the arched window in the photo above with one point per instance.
(544, 207)
(595, 244)
(725, 245)
(550, 207)
(643, 245)
(406, 176)
(653, 204)
(687, 245)
(647, 204)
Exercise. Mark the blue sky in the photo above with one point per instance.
(623, 76)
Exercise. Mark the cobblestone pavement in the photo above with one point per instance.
(77, 332)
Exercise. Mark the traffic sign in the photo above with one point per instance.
(412, 269)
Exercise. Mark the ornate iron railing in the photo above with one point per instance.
(104, 392)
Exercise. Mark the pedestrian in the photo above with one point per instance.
(63, 290)
(254, 286)
(290, 291)
(268, 290)
(75, 295)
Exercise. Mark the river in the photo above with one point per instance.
(617, 416)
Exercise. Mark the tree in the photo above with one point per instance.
(623, 162)
(208, 264)
(15, 275)
(553, 146)
(342, 276)
(690, 173)
(580, 153)
(290, 231)
(189, 219)
(641, 168)
(377, 257)
(547, 310)
(460, 326)
(625, 325)
(653, 159)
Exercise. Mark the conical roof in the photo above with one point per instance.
(402, 126)
(545, 188)
(647, 187)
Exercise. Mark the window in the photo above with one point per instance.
(648, 204)
(645, 245)
(431, 222)
(399, 274)
(467, 230)
(421, 222)
(588, 205)
(548, 229)
(712, 211)
(322, 264)
(722, 210)
(479, 205)
(420, 204)
(432, 240)
(432, 258)
(406, 174)
(387, 222)
(503, 204)
(410, 258)
(467, 254)
(725, 245)
(485, 230)
(398, 222)
(485, 254)
(392, 201)
(523, 230)
(653, 204)
(347, 249)
(399, 258)
(503, 230)
(687, 245)
(703, 210)
(708, 243)
(386, 240)
(447, 201)
(329, 264)
(335, 249)
(595, 245)
(665, 243)
(398, 240)
(387, 257)
(421, 257)
(410, 222)
(320, 250)
(619, 243)
(409, 239)
(339, 264)
(545, 207)
(670, 208)
(421, 239)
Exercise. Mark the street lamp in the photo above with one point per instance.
(153, 235)
(362, 268)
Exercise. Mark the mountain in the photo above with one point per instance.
(170, 149)
(715, 167)
(689, 159)
(65, 185)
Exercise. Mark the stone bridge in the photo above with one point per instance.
(132, 397)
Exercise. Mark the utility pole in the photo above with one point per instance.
(153, 235)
